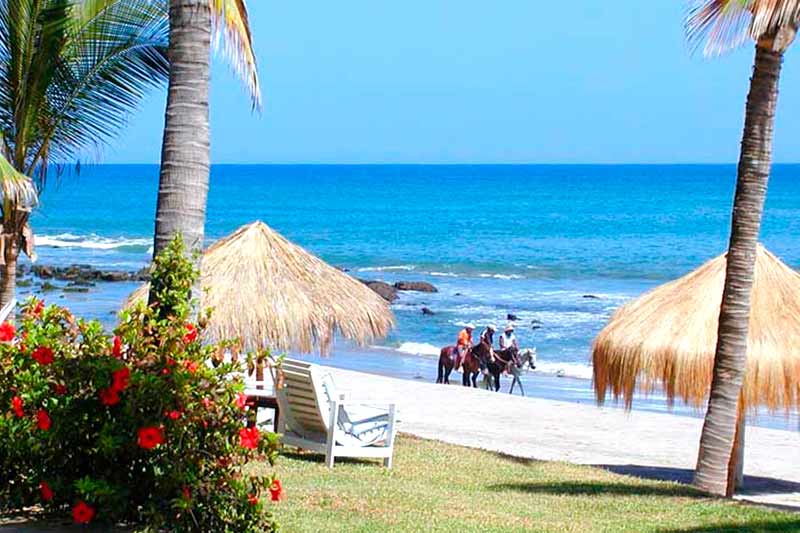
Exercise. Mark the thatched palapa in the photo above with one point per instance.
(270, 293)
(668, 337)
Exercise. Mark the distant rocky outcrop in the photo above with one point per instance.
(427, 311)
(86, 274)
(591, 297)
(384, 290)
(512, 317)
(419, 286)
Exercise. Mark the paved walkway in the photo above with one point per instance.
(640, 443)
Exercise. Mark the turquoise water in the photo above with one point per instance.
(528, 240)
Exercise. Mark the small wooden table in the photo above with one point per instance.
(269, 402)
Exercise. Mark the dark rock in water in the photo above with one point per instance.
(47, 286)
(74, 288)
(143, 274)
(458, 294)
(42, 271)
(115, 276)
(591, 297)
(87, 274)
(426, 311)
(511, 316)
(536, 321)
(386, 291)
(536, 326)
(419, 286)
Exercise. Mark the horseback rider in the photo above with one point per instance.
(508, 339)
(463, 344)
(487, 337)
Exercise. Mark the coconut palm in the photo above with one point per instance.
(18, 198)
(71, 71)
(183, 181)
(723, 24)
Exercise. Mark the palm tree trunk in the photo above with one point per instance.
(8, 273)
(719, 429)
(183, 182)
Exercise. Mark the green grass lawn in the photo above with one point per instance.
(442, 487)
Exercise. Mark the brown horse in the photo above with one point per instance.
(470, 366)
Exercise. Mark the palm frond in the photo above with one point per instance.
(232, 28)
(112, 53)
(17, 189)
(721, 25)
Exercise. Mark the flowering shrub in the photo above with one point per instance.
(135, 428)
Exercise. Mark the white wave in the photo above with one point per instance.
(443, 274)
(501, 276)
(95, 242)
(389, 268)
(572, 370)
(418, 348)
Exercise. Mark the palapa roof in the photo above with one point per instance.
(270, 293)
(668, 337)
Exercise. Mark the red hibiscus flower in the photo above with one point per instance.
(121, 379)
(116, 348)
(43, 420)
(16, 405)
(248, 438)
(191, 366)
(187, 493)
(191, 334)
(252, 499)
(38, 308)
(165, 371)
(60, 389)
(150, 437)
(47, 492)
(43, 355)
(174, 415)
(170, 361)
(7, 332)
(241, 400)
(109, 396)
(82, 513)
(276, 490)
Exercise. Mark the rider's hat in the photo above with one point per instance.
(470, 325)
(491, 327)
(509, 327)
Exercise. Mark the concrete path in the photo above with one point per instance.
(646, 444)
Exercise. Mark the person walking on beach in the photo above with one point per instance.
(508, 339)
(463, 344)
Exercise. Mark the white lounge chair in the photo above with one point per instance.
(315, 416)
(7, 309)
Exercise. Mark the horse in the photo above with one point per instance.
(470, 366)
(512, 361)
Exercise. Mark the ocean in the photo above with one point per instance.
(559, 246)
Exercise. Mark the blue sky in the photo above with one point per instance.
(446, 81)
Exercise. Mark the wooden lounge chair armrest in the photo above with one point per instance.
(368, 402)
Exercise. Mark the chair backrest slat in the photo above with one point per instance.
(300, 398)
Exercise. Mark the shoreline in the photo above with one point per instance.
(388, 363)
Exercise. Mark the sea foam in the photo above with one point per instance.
(95, 242)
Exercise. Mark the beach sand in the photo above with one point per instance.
(646, 444)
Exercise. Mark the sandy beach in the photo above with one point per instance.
(639, 443)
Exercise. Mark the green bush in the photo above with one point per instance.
(136, 428)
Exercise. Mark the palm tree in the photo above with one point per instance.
(183, 182)
(71, 71)
(18, 198)
(724, 24)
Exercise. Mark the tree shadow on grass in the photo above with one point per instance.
(748, 527)
(753, 485)
(597, 488)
